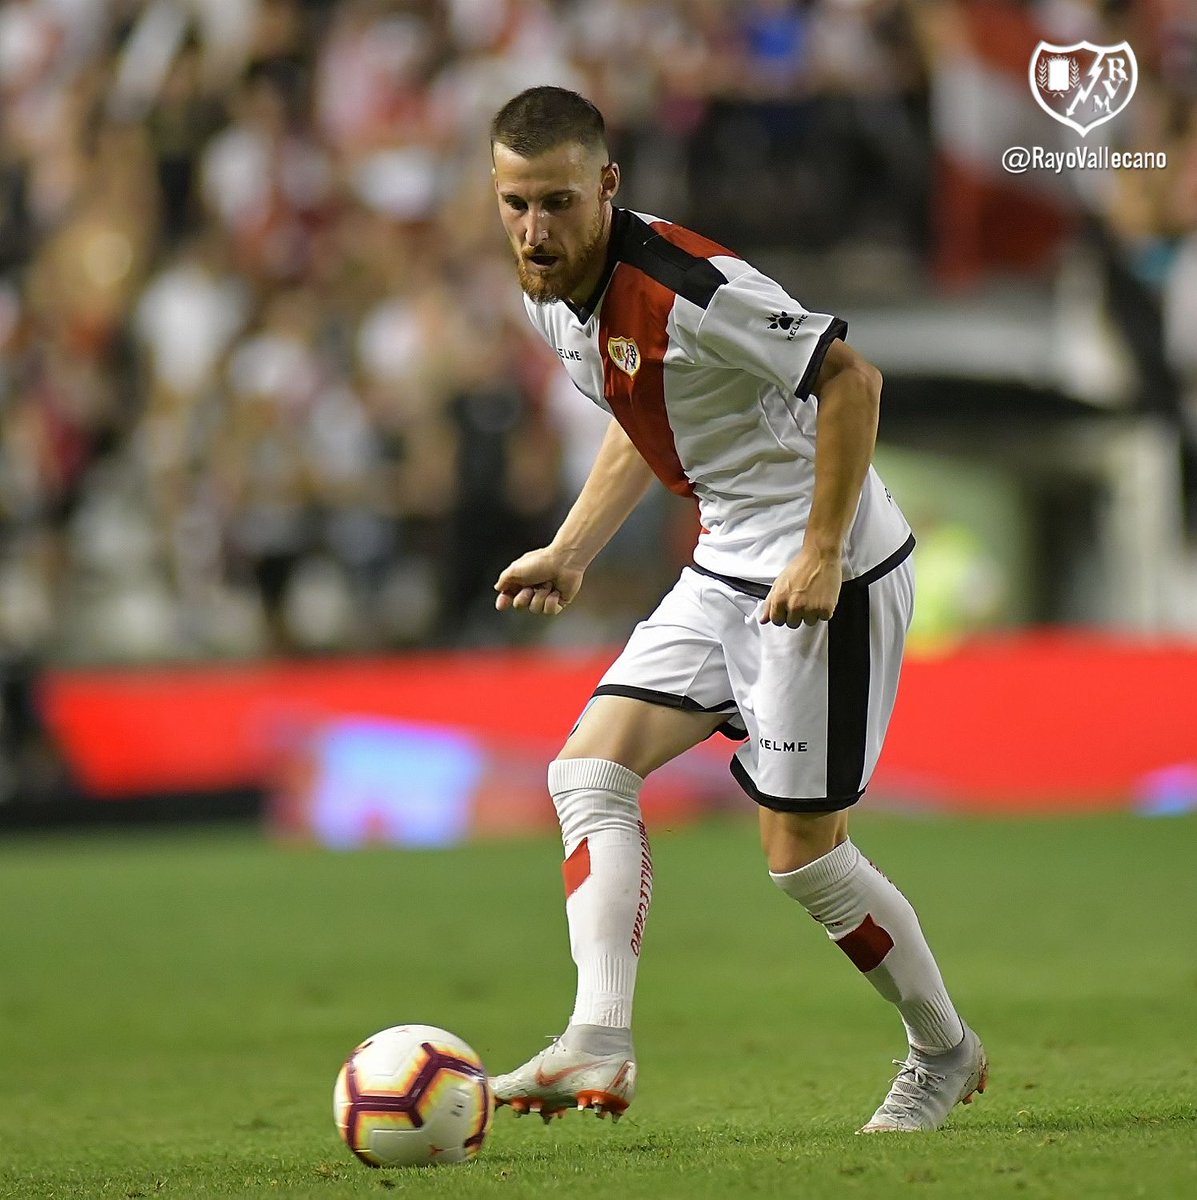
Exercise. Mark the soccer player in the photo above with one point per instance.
(786, 631)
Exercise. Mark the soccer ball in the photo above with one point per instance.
(413, 1095)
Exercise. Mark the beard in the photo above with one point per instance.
(566, 274)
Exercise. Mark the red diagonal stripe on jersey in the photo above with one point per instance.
(637, 308)
(688, 240)
(576, 869)
(867, 945)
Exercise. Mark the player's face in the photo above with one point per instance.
(556, 209)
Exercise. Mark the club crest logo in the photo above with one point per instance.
(1083, 85)
(625, 354)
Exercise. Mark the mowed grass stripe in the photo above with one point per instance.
(173, 1010)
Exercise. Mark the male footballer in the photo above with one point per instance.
(785, 632)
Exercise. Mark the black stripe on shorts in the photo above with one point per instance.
(684, 703)
(820, 804)
(848, 671)
(849, 674)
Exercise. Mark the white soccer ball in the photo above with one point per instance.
(413, 1095)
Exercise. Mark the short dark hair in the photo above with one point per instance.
(542, 118)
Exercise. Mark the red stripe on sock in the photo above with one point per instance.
(867, 945)
(576, 868)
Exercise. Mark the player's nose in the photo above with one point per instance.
(536, 228)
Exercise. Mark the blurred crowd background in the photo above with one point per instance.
(266, 386)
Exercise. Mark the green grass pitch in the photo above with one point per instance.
(174, 1008)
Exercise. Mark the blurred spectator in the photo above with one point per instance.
(266, 180)
(186, 115)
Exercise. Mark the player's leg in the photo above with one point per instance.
(812, 860)
(792, 840)
(595, 784)
(666, 692)
(836, 690)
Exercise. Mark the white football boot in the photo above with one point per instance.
(559, 1078)
(928, 1086)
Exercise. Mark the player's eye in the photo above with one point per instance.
(515, 203)
(556, 203)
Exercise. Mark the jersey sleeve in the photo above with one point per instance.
(752, 324)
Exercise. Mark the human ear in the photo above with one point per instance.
(609, 181)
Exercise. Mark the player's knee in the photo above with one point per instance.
(794, 840)
(591, 794)
(605, 733)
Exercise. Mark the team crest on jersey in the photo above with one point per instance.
(625, 354)
(1083, 85)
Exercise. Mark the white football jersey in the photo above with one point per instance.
(708, 365)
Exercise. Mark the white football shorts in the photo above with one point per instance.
(811, 704)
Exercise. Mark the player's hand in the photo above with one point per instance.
(806, 592)
(542, 581)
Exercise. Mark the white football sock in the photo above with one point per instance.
(873, 923)
(608, 874)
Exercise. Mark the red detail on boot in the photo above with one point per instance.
(867, 945)
(576, 868)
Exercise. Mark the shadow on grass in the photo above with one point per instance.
(810, 1141)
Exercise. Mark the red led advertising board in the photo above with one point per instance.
(1049, 720)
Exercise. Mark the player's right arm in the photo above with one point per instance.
(546, 580)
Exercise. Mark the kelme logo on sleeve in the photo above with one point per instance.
(790, 324)
(625, 354)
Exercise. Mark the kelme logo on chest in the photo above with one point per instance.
(625, 354)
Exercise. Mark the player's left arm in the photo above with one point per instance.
(849, 392)
(751, 324)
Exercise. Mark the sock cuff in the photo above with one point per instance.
(819, 875)
(932, 1025)
(572, 774)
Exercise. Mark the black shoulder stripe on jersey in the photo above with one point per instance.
(837, 330)
(695, 278)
